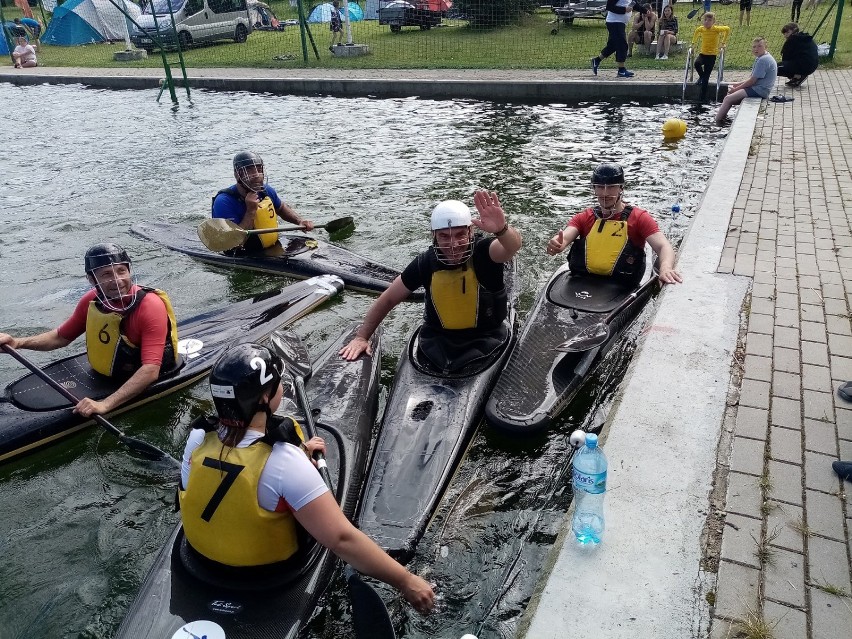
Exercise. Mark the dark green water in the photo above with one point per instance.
(82, 520)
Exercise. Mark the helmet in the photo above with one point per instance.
(239, 379)
(104, 255)
(243, 161)
(608, 174)
(450, 213)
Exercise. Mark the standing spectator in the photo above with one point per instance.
(745, 7)
(644, 24)
(668, 33)
(336, 25)
(617, 16)
(760, 83)
(24, 55)
(713, 37)
(799, 55)
(796, 10)
(32, 29)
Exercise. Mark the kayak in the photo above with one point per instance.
(32, 414)
(539, 382)
(180, 592)
(297, 255)
(428, 422)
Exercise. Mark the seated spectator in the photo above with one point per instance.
(799, 57)
(758, 85)
(668, 33)
(24, 54)
(642, 31)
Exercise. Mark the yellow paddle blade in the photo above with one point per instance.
(221, 235)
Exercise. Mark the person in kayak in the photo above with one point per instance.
(248, 492)
(131, 331)
(609, 239)
(462, 273)
(252, 204)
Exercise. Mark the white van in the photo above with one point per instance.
(195, 21)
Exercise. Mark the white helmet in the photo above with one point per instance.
(450, 213)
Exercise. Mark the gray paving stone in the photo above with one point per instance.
(785, 283)
(760, 368)
(786, 482)
(844, 423)
(829, 614)
(809, 295)
(785, 317)
(786, 412)
(841, 367)
(817, 405)
(816, 378)
(788, 385)
(834, 291)
(820, 437)
(828, 563)
(812, 313)
(825, 515)
(813, 332)
(818, 473)
(760, 289)
(744, 494)
(722, 629)
(814, 353)
(736, 590)
(835, 307)
(752, 422)
(786, 337)
(754, 393)
(786, 359)
(761, 323)
(763, 306)
(786, 300)
(760, 344)
(740, 539)
(786, 622)
(840, 344)
(785, 519)
(838, 324)
(747, 456)
(785, 577)
(786, 444)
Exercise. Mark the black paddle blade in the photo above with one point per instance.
(339, 224)
(145, 449)
(290, 348)
(586, 340)
(369, 613)
(691, 14)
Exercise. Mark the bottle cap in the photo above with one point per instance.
(591, 440)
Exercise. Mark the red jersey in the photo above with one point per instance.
(640, 225)
(147, 326)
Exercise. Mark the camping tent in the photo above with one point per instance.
(322, 13)
(86, 21)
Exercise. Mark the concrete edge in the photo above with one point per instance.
(646, 579)
(528, 91)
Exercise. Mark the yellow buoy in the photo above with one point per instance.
(674, 129)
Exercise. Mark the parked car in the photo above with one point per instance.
(195, 21)
(413, 13)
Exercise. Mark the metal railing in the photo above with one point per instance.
(687, 74)
(720, 71)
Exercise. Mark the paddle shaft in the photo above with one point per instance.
(629, 299)
(340, 222)
(311, 429)
(101, 421)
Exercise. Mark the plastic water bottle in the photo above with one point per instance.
(589, 490)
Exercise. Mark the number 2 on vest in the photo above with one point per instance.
(231, 471)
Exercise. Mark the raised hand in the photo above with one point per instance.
(556, 243)
(491, 218)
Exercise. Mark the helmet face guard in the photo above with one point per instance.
(608, 175)
(108, 268)
(239, 380)
(448, 216)
(249, 171)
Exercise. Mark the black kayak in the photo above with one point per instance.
(297, 255)
(179, 590)
(428, 422)
(33, 415)
(539, 382)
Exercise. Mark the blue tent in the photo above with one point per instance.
(87, 21)
(322, 13)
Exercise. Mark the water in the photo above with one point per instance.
(589, 481)
(83, 519)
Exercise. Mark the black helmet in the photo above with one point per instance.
(608, 174)
(239, 379)
(245, 159)
(104, 255)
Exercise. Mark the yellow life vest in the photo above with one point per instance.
(266, 218)
(455, 297)
(109, 351)
(607, 250)
(221, 517)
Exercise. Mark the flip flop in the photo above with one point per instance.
(845, 391)
(780, 98)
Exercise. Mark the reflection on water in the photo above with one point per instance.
(83, 519)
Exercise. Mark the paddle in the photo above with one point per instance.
(223, 235)
(369, 613)
(144, 448)
(691, 14)
(597, 334)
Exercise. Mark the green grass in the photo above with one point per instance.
(526, 45)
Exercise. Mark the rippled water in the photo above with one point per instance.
(82, 520)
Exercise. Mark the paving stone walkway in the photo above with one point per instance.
(787, 542)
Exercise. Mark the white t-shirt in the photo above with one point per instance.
(288, 475)
(26, 52)
(620, 17)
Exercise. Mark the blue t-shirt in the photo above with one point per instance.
(765, 70)
(230, 207)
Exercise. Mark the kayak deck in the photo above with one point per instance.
(32, 414)
(297, 256)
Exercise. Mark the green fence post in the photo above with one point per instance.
(836, 31)
(179, 50)
(8, 37)
(300, 8)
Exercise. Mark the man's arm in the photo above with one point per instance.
(393, 295)
(141, 379)
(563, 239)
(287, 214)
(49, 341)
(661, 246)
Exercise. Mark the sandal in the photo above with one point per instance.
(845, 391)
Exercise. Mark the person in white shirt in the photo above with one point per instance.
(24, 54)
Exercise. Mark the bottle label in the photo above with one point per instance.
(590, 482)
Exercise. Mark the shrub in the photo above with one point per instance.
(486, 14)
